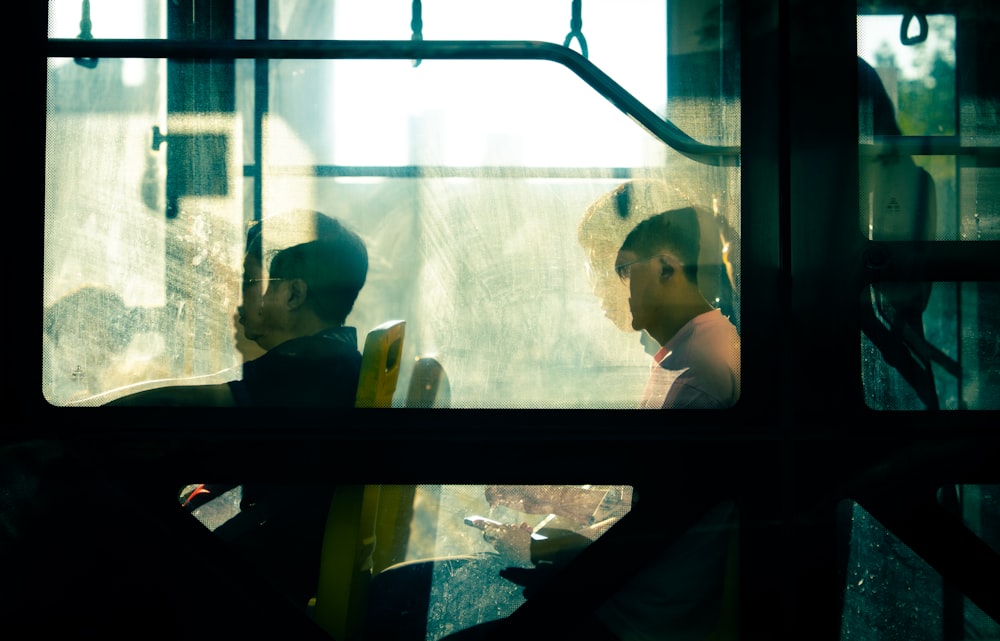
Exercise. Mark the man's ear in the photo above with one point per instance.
(298, 290)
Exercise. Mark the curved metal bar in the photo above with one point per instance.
(628, 104)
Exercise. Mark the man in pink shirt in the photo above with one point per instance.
(698, 363)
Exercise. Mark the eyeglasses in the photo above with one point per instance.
(624, 270)
(249, 282)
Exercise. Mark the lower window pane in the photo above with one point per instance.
(931, 346)
(892, 593)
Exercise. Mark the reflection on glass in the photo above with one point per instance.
(129, 295)
(897, 198)
(891, 593)
(438, 550)
(79, 365)
(979, 187)
(467, 179)
(463, 536)
(979, 506)
(906, 90)
(918, 75)
(944, 357)
(106, 19)
(921, 123)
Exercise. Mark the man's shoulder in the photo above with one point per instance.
(332, 342)
(708, 365)
(345, 336)
(713, 385)
(715, 322)
(709, 337)
(317, 370)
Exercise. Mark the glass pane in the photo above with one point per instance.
(618, 36)
(107, 19)
(131, 295)
(907, 90)
(504, 300)
(980, 193)
(927, 345)
(920, 77)
(439, 549)
(891, 593)
(979, 506)
(928, 152)
(508, 113)
(468, 181)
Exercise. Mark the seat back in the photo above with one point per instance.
(380, 364)
(348, 552)
(346, 561)
(429, 385)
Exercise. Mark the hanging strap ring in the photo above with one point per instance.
(576, 28)
(579, 37)
(904, 29)
(417, 25)
(85, 34)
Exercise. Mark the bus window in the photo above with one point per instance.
(925, 175)
(891, 591)
(979, 507)
(945, 358)
(472, 150)
(468, 180)
(919, 82)
(446, 557)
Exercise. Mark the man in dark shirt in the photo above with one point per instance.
(296, 313)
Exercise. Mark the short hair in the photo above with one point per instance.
(334, 266)
(608, 219)
(676, 230)
(287, 229)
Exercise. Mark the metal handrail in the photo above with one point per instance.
(981, 146)
(628, 104)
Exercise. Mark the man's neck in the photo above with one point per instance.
(681, 316)
(299, 327)
(307, 324)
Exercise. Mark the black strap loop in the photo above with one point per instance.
(904, 29)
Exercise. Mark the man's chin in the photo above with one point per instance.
(618, 320)
(262, 341)
(250, 335)
(245, 333)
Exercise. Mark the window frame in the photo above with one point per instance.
(787, 447)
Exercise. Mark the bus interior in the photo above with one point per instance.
(497, 477)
